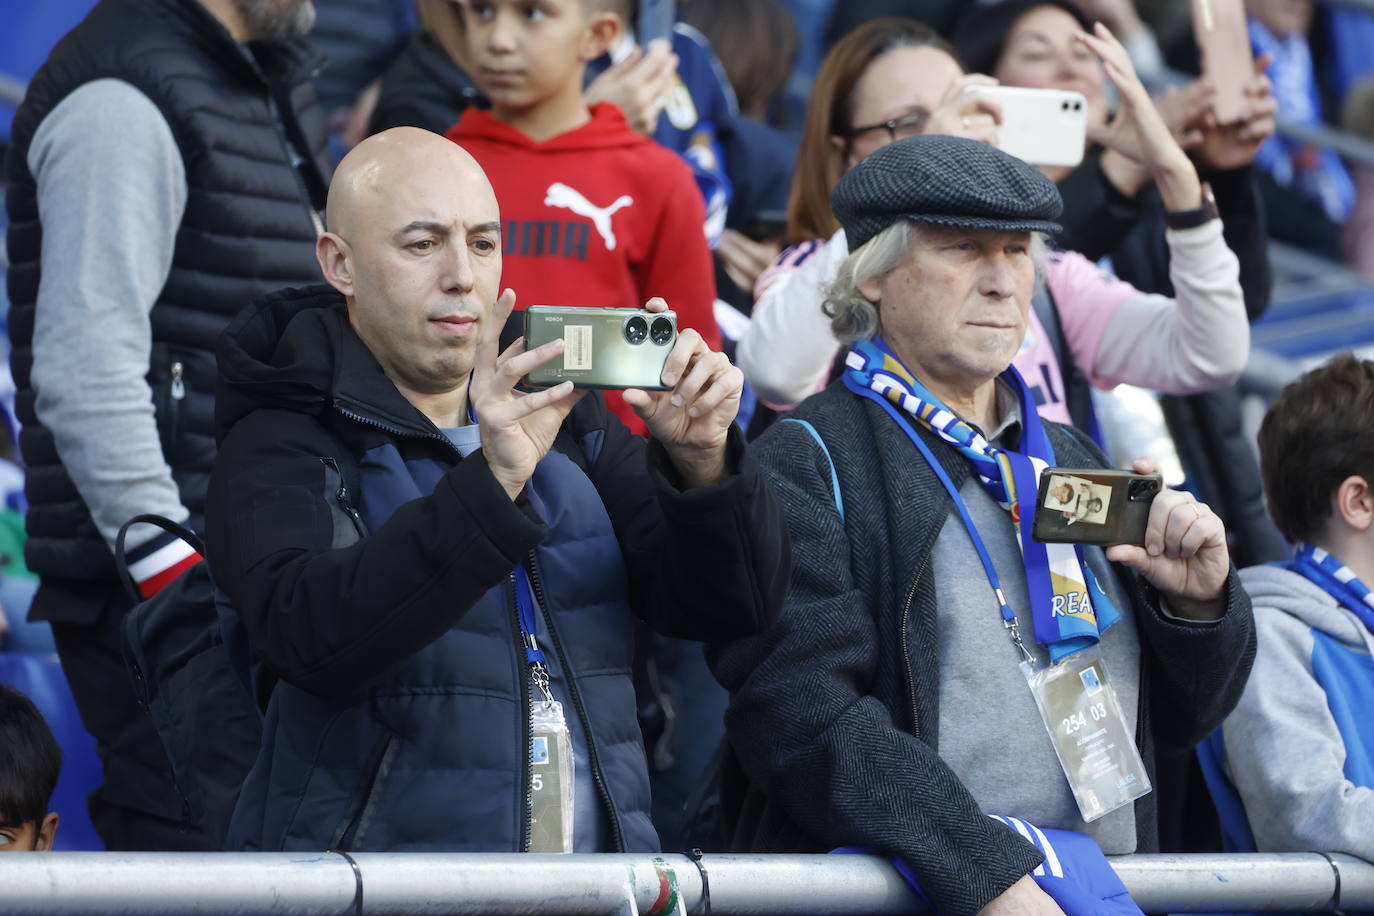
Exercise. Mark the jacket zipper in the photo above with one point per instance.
(527, 743)
(341, 496)
(176, 393)
(906, 649)
(395, 430)
(617, 835)
(141, 691)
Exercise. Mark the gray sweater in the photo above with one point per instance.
(111, 193)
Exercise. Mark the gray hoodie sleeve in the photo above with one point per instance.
(1285, 755)
(111, 193)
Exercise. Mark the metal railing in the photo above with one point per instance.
(61, 884)
(1348, 145)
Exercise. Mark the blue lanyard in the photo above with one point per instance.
(1009, 620)
(524, 599)
(524, 612)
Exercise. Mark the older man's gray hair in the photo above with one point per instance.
(852, 316)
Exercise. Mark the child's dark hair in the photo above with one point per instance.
(1318, 432)
(30, 760)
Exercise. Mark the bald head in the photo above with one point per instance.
(414, 246)
(391, 162)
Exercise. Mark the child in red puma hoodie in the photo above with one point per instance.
(592, 213)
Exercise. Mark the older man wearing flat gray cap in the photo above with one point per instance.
(933, 661)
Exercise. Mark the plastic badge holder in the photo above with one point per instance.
(1089, 733)
(551, 779)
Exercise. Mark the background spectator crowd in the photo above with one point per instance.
(169, 163)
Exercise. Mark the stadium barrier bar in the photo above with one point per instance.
(68, 883)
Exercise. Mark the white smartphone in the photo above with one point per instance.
(1040, 126)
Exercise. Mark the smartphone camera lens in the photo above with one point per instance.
(1141, 491)
(636, 329)
(661, 331)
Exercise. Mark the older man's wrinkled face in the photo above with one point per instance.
(955, 309)
(276, 20)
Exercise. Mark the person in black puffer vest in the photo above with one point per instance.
(166, 167)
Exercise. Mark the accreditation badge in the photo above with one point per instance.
(551, 779)
(1089, 733)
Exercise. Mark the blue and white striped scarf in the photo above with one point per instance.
(1336, 579)
(1069, 609)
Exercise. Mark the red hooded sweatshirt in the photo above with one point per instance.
(600, 217)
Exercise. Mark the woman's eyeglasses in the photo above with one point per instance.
(908, 125)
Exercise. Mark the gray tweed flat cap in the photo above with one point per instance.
(948, 181)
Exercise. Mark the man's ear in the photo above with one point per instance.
(602, 33)
(871, 289)
(47, 831)
(336, 262)
(1353, 503)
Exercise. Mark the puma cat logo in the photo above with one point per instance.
(560, 195)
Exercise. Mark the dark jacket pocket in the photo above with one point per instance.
(352, 829)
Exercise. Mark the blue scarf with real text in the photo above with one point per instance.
(1068, 607)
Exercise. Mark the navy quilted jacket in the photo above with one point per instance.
(372, 568)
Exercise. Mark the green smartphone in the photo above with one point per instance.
(604, 348)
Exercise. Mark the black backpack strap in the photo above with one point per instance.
(121, 554)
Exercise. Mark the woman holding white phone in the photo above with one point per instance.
(1117, 208)
(1110, 209)
(893, 78)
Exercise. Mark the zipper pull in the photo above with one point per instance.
(178, 386)
(341, 495)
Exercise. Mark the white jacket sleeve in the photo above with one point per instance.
(1197, 341)
(787, 351)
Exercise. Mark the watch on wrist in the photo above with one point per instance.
(1190, 219)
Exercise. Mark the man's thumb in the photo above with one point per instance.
(1130, 555)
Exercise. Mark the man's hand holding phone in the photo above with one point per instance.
(517, 429)
(692, 418)
(1185, 555)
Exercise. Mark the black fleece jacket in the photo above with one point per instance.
(298, 386)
